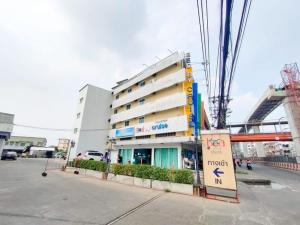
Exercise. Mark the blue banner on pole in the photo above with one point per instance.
(195, 117)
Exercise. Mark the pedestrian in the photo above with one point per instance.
(120, 159)
(77, 163)
(239, 162)
(234, 165)
(249, 166)
(105, 158)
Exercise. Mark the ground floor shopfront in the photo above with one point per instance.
(168, 155)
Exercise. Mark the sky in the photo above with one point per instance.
(50, 49)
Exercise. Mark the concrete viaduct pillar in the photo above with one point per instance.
(259, 145)
(292, 111)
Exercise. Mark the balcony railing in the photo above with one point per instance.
(169, 102)
(151, 87)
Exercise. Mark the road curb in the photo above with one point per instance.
(255, 181)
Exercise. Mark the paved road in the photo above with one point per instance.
(61, 198)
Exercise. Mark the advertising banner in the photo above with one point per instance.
(125, 132)
(162, 126)
(217, 160)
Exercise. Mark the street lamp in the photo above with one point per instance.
(72, 144)
(109, 149)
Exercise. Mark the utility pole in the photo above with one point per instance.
(196, 107)
(198, 181)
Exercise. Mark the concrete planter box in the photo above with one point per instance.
(186, 189)
(70, 169)
(140, 182)
(94, 173)
(124, 179)
(161, 185)
(111, 177)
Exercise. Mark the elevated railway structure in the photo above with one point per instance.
(289, 96)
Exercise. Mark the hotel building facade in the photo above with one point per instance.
(151, 115)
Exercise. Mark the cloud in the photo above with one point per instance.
(110, 24)
(241, 106)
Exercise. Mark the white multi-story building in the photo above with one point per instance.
(6, 127)
(92, 120)
(151, 115)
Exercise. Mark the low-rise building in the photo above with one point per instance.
(63, 144)
(19, 143)
(6, 127)
(279, 149)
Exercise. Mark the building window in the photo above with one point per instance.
(129, 90)
(81, 100)
(128, 106)
(75, 130)
(11, 143)
(113, 126)
(22, 144)
(142, 83)
(117, 97)
(115, 111)
(141, 119)
(166, 134)
(142, 101)
(143, 137)
(126, 123)
(78, 115)
(124, 139)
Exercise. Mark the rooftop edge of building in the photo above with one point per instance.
(90, 85)
(178, 55)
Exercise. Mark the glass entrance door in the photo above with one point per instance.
(142, 156)
(166, 157)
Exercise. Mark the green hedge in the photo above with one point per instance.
(92, 165)
(155, 173)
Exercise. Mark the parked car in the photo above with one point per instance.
(9, 155)
(93, 155)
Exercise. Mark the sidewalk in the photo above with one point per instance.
(250, 177)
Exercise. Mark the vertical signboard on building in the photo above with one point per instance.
(195, 116)
(217, 160)
(187, 87)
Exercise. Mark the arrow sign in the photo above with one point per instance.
(217, 172)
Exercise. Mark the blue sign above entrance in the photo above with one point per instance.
(125, 132)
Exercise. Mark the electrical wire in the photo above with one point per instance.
(208, 49)
(237, 43)
(239, 47)
(59, 129)
(201, 36)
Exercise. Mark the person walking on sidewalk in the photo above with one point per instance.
(77, 163)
